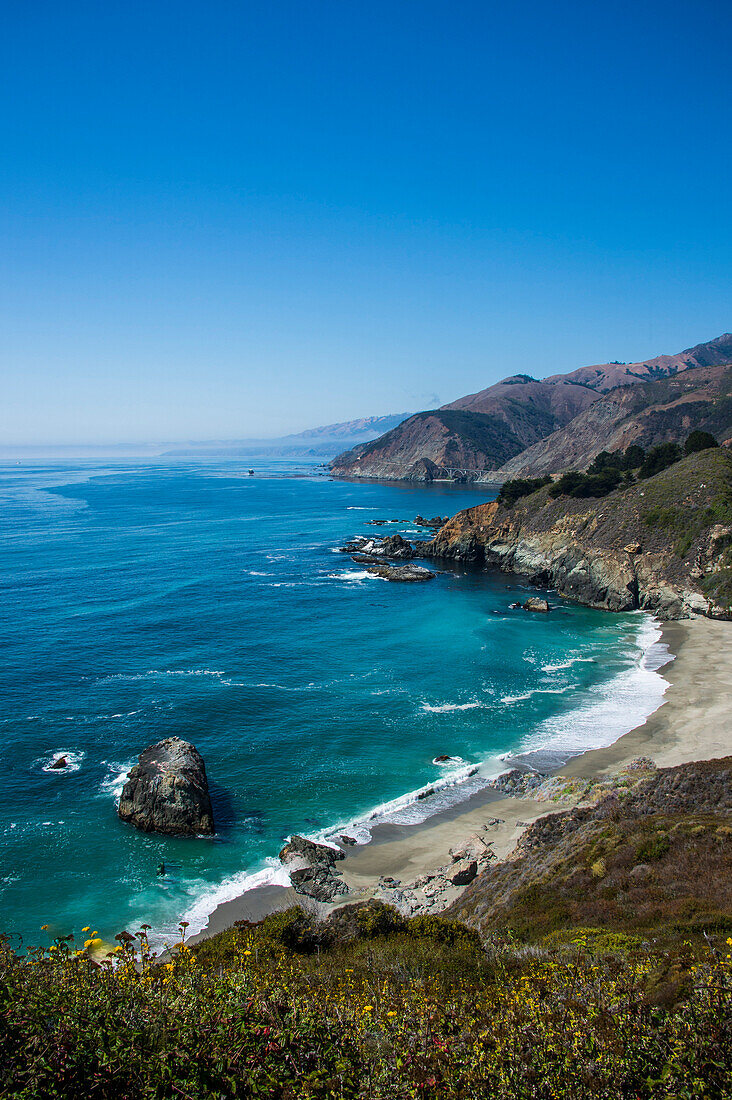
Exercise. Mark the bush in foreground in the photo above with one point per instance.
(393, 1012)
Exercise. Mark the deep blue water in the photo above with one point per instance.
(146, 599)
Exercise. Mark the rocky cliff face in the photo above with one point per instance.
(167, 791)
(648, 547)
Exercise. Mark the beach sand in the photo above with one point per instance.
(693, 723)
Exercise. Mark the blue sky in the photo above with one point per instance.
(235, 219)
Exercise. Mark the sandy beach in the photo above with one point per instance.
(693, 723)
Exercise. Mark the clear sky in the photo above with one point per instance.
(225, 219)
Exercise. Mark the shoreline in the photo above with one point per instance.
(688, 725)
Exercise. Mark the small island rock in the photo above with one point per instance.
(167, 791)
(535, 603)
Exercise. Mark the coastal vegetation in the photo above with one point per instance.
(388, 1009)
(597, 962)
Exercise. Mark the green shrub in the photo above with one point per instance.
(511, 491)
(653, 848)
(699, 441)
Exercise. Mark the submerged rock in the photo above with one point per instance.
(167, 791)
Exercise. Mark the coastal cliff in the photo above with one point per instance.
(661, 545)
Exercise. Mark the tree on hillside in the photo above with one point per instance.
(659, 458)
(699, 441)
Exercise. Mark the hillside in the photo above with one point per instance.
(429, 442)
(646, 413)
(606, 376)
(526, 413)
(649, 865)
(591, 963)
(662, 545)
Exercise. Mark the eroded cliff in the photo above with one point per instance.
(661, 545)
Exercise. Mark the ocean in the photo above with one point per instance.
(152, 598)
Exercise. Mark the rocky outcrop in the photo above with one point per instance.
(405, 574)
(312, 869)
(651, 547)
(392, 547)
(535, 603)
(167, 791)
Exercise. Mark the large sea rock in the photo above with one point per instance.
(167, 791)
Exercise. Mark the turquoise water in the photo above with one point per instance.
(146, 599)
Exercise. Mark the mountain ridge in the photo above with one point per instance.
(523, 412)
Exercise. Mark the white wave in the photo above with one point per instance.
(358, 508)
(416, 806)
(445, 708)
(115, 778)
(73, 761)
(271, 874)
(153, 672)
(534, 691)
(354, 575)
(616, 707)
(560, 665)
(257, 573)
(295, 584)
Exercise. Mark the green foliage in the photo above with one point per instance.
(511, 491)
(597, 940)
(608, 471)
(699, 441)
(653, 848)
(589, 1015)
(575, 484)
(660, 458)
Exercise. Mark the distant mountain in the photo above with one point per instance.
(366, 426)
(499, 426)
(323, 442)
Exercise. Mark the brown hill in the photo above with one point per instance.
(646, 413)
(482, 432)
(607, 376)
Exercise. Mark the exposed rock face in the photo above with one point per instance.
(59, 763)
(394, 546)
(312, 869)
(167, 791)
(589, 549)
(391, 547)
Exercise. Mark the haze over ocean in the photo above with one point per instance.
(170, 597)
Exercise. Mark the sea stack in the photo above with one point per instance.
(167, 791)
